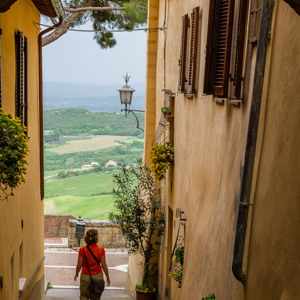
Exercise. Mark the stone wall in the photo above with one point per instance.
(57, 225)
(109, 234)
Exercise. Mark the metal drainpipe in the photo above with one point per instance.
(41, 104)
(263, 37)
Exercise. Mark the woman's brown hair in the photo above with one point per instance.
(91, 236)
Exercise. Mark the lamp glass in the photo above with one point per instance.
(125, 97)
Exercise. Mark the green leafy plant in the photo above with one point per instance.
(49, 285)
(166, 109)
(147, 287)
(179, 254)
(176, 271)
(139, 213)
(161, 156)
(14, 150)
(210, 297)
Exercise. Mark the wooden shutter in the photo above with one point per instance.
(0, 71)
(218, 47)
(183, 48)
(193, 50)
(240, 44)
(26, 82)
(19, 75)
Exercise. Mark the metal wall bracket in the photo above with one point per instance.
(176, 264)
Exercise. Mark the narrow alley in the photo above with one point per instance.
(60, 263)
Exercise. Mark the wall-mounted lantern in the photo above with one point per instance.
(126, 93)
(80, 229)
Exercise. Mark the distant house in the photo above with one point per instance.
(111, 163)
(91, 166)
(86, 167)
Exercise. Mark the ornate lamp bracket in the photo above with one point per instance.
(177, 257)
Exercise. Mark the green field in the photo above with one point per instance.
(93, 142)
(88, 195)
(76, 137)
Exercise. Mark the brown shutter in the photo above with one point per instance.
(207, 88)
(26, 82)
(240, 44)
(218, 47)
(19, 75)
(0, 71)
(193, 50)
(182, 59)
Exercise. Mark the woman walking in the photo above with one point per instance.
(89, 259)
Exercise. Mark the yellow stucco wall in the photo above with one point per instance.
(135, 274)
(205, 181)
(26, 204)
(274, 253)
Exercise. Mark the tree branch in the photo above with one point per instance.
(70, 21)
(84, 9)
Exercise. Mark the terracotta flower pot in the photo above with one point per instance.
(142, 295)
(168, 116)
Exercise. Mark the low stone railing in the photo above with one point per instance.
(109, 234)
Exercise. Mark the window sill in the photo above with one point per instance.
(219, 100)
(190, 95)
(235, 102)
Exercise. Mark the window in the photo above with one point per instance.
(193, 50)
(240, 44)
(22, 78)
(218, 49)
(0, 71)
(183, 52)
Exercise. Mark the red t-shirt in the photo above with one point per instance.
(94, 267)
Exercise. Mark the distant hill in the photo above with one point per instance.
(92, 97)
(79, 121)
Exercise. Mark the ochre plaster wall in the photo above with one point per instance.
(134, 274)
(209, 139)
(26, 203)
(205, 180)
(274, 254)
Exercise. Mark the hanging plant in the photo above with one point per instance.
(161, 156)
(13, 152)
(176, 268)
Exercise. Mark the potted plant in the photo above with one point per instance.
(140, 217)
(14, 149)
(167, 111)
(161, 156)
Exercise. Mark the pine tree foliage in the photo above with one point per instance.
(132, 15)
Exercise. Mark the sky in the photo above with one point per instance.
(76, 57)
